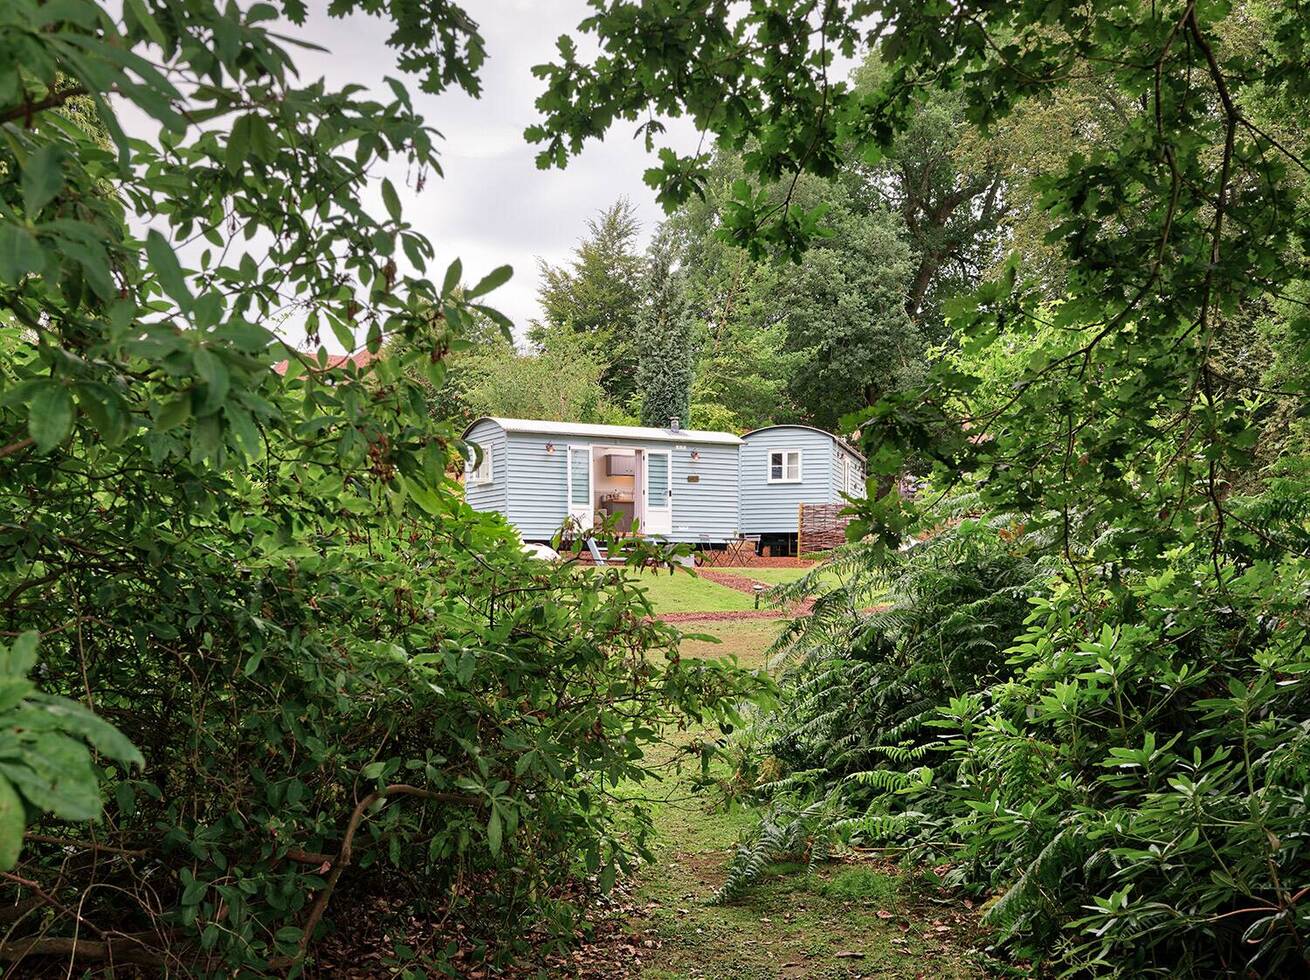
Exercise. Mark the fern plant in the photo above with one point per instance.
(864, 676)
(788, 831)
(1115, 761)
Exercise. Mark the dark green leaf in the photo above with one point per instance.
(76, 719)
(12, 825)
(20, 253)
(390, 199)
(497, 277)
(453, 273)
(43, 177)
(168, 270)
(215, 375)
(50, 416)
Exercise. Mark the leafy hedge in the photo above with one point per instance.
(318, 675)
(1121, 771)
(283, 668)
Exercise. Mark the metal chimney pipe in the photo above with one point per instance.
(675, 423)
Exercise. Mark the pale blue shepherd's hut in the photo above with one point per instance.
(674, 483)
(784, 466)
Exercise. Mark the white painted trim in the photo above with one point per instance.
(604, 433)
(800, 466)
(837, 440)
(471, 477)
(659, 515)
(584, 514)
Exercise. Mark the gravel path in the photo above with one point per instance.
(734, 579)
(728, 616)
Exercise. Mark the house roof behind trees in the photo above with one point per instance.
(361, 359)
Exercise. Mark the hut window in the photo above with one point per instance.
(785, 466)
(481, 472)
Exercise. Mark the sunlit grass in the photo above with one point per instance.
(682, 592)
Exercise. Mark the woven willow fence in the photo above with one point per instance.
(821, 527)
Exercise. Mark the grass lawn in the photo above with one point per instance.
(774, 576)
(777, 576)
(746, 640)
(846, 919)
(683, 592)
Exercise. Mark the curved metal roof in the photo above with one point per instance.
(589, 431)
(796, 425)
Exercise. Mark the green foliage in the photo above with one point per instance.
(1121, 763)
(831, 333)
(862, 883)
(43, 759)
(951, 186)
(867, 678)
(1183, 205)
(1163, 776)
(1123, 410)
(743, 365)
(787, 832)
(563, 380)
(846, 314)
(598, 295)
(664, 344)
(342, 683)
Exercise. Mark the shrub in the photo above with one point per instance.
(1137, 790)
(1123, 770)
(322, 677)
(342, 682)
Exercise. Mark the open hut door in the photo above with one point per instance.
(582, 502)
(658, 492)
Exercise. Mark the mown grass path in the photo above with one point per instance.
(851, 918)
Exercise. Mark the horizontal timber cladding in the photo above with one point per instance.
(705, 497)
(493, 495)
(538, 500)
(822, 527)
(772, 508)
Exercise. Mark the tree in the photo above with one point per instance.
(597, 295)
(299, 656)
(846, 313)
(743, 378)
(812, 340)
(665, 352)
(1194, 209)
(1126, 771)
(560, 382)
(951, 204)
(733, 303)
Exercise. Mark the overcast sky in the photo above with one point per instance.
(494, 206)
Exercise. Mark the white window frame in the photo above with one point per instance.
(482, 473)
(784, 453)
(852, 477)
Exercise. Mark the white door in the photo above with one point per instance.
(582, 502)
(658, 492)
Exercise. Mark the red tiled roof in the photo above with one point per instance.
(361, 360)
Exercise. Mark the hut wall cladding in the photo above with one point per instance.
(822, 527)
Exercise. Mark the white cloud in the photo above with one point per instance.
(493, 205)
